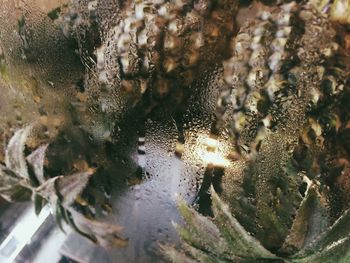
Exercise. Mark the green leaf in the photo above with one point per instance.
(200, 232)
(241, 242)
(338, 252)
(310, 221)
(339, 231)
(176, 256)
(204, 257)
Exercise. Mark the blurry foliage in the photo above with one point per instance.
(23, 178)
(284, 106)
(339, 10)
(223, 239)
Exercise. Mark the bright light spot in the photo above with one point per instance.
(211, 152)
(21, 235)
(214, 159)
(212, 143)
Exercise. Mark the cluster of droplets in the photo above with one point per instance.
(282, 35)
(254, 75)
(162, 45)
(327, 114)
(285, 86)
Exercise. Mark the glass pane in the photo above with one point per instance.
(174, 130)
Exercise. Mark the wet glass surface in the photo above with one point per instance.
(112, 112)
(153, 158)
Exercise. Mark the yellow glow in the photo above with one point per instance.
(211, 152)
(210, 142)
(215, 159)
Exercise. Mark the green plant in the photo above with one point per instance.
(223, 239)
(283, 106)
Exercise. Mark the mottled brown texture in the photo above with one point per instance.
(274, 90)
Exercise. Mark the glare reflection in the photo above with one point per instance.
(21, 235)
(211, 152)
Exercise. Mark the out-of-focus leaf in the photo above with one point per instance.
(107, 235)
(311, 220)
(240, 241)
(36, 160)
(14, 158)
(321, 5)
(340, 11)
(11, 188)
(66, 188)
